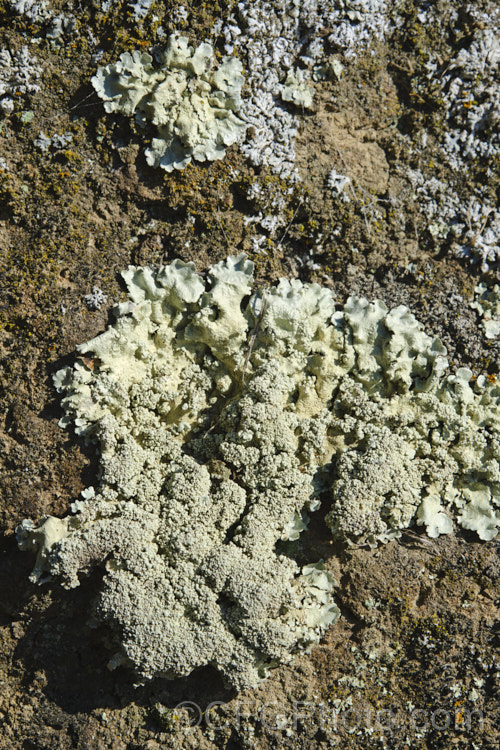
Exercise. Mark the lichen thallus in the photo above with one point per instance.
(259, 302)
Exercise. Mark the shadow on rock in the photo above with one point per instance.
(60, 640)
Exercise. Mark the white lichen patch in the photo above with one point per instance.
(283, 43)
(35, 10)
(19, 74)
(95, 299)
(193, 105)
(481, 236)
(223, 417)
(337, 183)
(469, 85)
(57, 141)
(472, 227)
(487, 303)
(139, 8)
(471, 96)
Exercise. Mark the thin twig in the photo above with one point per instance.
(252, 338)
(291, 222)
(217, 215)
(346, 167)
(93, 93)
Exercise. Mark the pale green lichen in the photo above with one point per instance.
(193, 106)
(41, 539)
(408, 431)
(487, 303)
(204, 471)
(223, 417)
(297, 90)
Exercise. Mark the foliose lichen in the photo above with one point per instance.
(297, 91)
(193, 105)
(223, 418)
(487, 303)
(35, 10)
(19, 73)
(205, 471)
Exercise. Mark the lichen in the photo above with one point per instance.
(206, 463)
(223, 418)
(19, 74)
(193, 106)
(410, 433)
(297, 90)
(487, 303)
